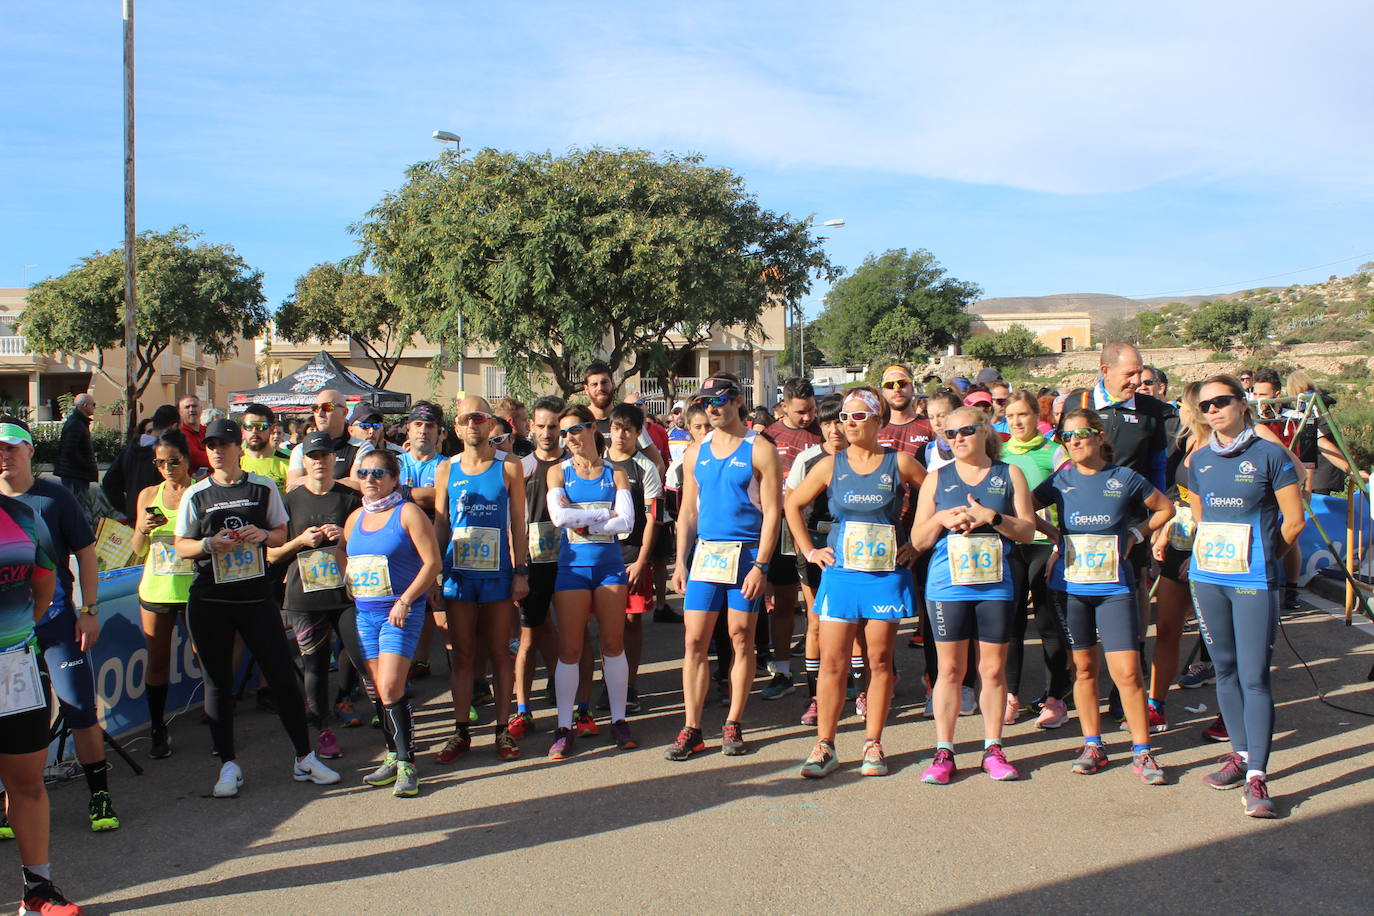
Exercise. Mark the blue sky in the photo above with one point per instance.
(1034, 147)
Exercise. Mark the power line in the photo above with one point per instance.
(1245, 284)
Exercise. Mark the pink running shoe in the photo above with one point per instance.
(328, 746)
(941, 769)
(996, 766)
(1053, 714)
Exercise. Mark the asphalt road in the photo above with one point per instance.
(614, 831)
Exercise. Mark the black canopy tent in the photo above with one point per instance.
(296, 392)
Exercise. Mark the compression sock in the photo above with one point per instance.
(813, 670)
(856, 664)
(565, 681)
(399, 717)
(1140, 749)
(157, 704)
(96, 778)
(615, 670)
(388, 734)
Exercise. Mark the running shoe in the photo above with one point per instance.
(585, 725)
(1290, 603)
(455, 747)
(563, 741)
(418, 671)
(348, 716)
(875, 764)
(506, 748)
(407, 784)
(941, 769)
(6, 831)
(778, 687)
(1216, 731)
(1256, 799)
(861, 704)
(631, 699)
(230, 778)
(623, 735)
(520, 725)
(310, 769)
(687, 743)
(46, 899)
(385, 774)
(1147, 768)
(996, 766)
(812, 716)
(1092, 759)
(162, 744)
(1013, 710)
(1231, 774)
(1053, 714)
(968, 701)
(102, 812)
(732, 740)
(328, 746)
(1198, 675)
(1159, 722)
(822, 761)
(665, 614)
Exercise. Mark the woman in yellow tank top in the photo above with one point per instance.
(166, 577)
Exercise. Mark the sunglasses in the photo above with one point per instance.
(1246, 378)
(369, 425)
(499, 438)
(327, 408)
(1086, 433)
(858, 416)
(474, 418)
(1217, 402)
(372, 473)
(897, 383)
(166, 462)
(965, 431)
(1000, 402)
(575, 430)
(719, 400)
(1147, 382)
(257, 425)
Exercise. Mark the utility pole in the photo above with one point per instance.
(130, 293)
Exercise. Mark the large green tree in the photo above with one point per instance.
(188, 291)
(1224, 324)
(557, 260)
(895, 304)
(332, 301)
(1005, 347)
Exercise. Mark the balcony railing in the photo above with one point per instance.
(13, 345)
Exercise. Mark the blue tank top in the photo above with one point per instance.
(1095, 513)
(995, 492)
(594, 549)
(1237, 494)
(728, 507)
(479, 522)
(856, 499)
(382, 564)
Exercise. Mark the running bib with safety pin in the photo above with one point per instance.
(369, 576)
(869, 547)
(789, 546)
(163, 560)
(543, 542)
(716, 561)
(319, 570)
(239, 564)
(974, 559)
(477, 549)
(1182, 529)
(1222, 547)
(21, 690)
(575, 537)
(1091, 559)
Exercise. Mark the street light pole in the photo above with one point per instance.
(801, 313)
(444, 136)
(130, 293)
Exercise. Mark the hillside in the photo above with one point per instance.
(1101, 306)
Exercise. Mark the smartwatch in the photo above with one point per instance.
(89, 609)
(761, 566)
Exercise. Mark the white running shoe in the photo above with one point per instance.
(230, 778)
(309, 769)
(968, 701)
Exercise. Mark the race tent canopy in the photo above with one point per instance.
(296, 392)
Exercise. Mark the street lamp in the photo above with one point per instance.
(446, 136)
(836, 223)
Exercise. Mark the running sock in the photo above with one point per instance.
(1093, 739)
(399, 716)
(1244, 756)
(565, 681)
(1251, 774)
(945, 746)
(856, 664)
(615, 671)
(522, 708)
(1140, 749)
(991, 743)
(157, 704)
(813, 670)
(784, 667)
(36, 876)
(96, 778)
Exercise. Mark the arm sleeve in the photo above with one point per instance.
(565, 517)
(623, 521)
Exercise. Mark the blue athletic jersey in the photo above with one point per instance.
(995, 492)
(578, 550)
(376, 586)
(417, 473)
(1104, 503)
(479, 522)
(875, 498)
(1240, 490)
(728, 506)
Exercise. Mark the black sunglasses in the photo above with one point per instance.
(572, 430)
(1220, 401)
(965, 431)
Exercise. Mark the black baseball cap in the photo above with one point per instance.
(224, 429)
(317, 442)
(363, 411)
(714, 387)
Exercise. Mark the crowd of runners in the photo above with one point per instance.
(968, 509)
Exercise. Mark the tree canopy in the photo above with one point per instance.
(1224, 324)
(557, 260)
(187, 291)
(332, 301)
(1003, 347)
(896, 304)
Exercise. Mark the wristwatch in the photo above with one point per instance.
(521, 570)
(997, 519)
(761, 566)
(87, 609)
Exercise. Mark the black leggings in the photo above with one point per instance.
(315, 632)
(1028, 563)
(213, 625)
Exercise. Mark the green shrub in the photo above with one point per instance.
(105, 441)
(1356, 425)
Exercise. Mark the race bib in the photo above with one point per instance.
(974, 559)
(789, 546)
(1091, 559)
(869, 547)
(478, 549)
(241, 563)
(369, 576)
(1182, 529)
(319, 570)
(163, 559)
(1222, 547)
(575, 537)
(716, 561)
(543, 542)
(21, 689)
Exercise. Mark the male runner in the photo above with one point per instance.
(419, 465)
(259, 454)
(637, 547)
(194, 431)
(599, 387)
(331, 417)
(906, 431)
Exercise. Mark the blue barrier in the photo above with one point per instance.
(1330, 511)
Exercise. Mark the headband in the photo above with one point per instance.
(869, 400)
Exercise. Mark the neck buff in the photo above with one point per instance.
(1017, 447)
(390, 501)
(1235, 446)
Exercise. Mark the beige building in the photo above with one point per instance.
(34, 381)
(1061, 332)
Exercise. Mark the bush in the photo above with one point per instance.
(1353, 372)
(106, 442)
(1356, 426)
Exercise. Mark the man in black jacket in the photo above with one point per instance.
(75, 464)
(133, 471)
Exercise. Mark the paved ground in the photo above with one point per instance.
(629, 831)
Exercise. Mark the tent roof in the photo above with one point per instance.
(296, 392)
